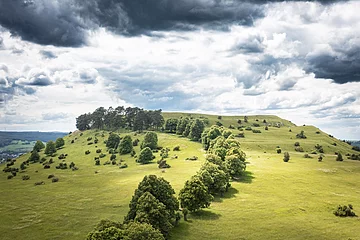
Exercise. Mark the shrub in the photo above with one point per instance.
(339, 157)
(176, 148)
(231, 127)
(98, 150)
(90, 143)
(62, 156)
(133, 153)
(145, 156)
(10, 176)
(89, 139)
(317, 132)
(25, 177)
(296, 144)
(193, 158)
(248, 128)
(107, 163)
(306, 155)
(286, 157)
(278, 150)
(163, 164)
(54, 179)
(299, 149)
(62, 166)
(150, 140)
(334, 144)
(266, 128)
(219, 117)
(319, 148)
(72, 141)
(87, 152)
(256, 131)
(102, 155)
(46, 166)
(96, 140)
(240, 135)
(123, 165)
(97, 162)
(344, 211)
(51, 176)
(164, 153)
(301, 135)
(256, 125)
(135, 142)
(112, 157)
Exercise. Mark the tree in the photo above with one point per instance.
(235, 165)
(160, 189)
(142, 231)
(180, 128)
(59, 142)
(150, 140)
(145, 156)
(301, 135)
(38, 146)
(50, 148)
(126, 145)
(196, 129)
(186, 131)
(215, 179)
(84, 122)
(113, 141)
(34, 157)
(151, 210)
(171, 124)
(208, 135)
(194, 195)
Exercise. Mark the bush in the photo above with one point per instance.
(307, 156)
(356, 148)
(72, 141)
(135, 142)
(97, 162)
(296, 144)
(299, 149)
(145, 156)
(344, 211)
(62, 166)
(319, 148)
(240, 135)
(339, 157)
(256, 131)
(123, 166)
(25, 177)
(98, 150)
(89, 139)
(218, 123)
(51, 176)
(90, 143)
(59, 142)
(54, 179)
(87, 152)
(102, 155)
(10, 176)
(176, 148)
(256, 125)
(278, 150)
(231, 127)
(301, 135)
(193, 158)
(163, 164)
(317, 132)
(126, 145)
(62, 156)
(248, 128)
(266, 128)
(112, 157)
(286, 157)
(150, 140)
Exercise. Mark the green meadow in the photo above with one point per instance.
(273, 199)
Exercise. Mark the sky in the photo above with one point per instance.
(299, 60)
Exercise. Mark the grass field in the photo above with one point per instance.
(274, 200)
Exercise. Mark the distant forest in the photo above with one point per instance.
(7, 137)
(132, 118)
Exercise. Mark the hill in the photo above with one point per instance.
(271, 200)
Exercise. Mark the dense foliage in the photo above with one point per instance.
(135, 119)
(126, 145)
(38, 146)
(113, 141)
(59, 142)
(150, 140)
(50, 148)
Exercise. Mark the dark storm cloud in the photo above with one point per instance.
(43, 22)
(342, 64)
(47, 54)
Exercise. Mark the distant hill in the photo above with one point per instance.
(7, 137)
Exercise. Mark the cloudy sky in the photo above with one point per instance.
(296, 59)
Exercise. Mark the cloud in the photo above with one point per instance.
(339, 62)
(36, 77)
(47, 54)
(54, 116)
(43, 22)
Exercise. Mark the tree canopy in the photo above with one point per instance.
(59, 142)
(126, 145)
(50, 148)
(150, 140)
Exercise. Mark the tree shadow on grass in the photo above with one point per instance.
(229, 194)
(204, 215)
(246, 177)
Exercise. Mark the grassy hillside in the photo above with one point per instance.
(274, 200)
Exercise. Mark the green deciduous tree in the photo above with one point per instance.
(113, 141)
(180, 128)
(215, 179)
(235, 165)
(150, 140)
(150, 210)
(160, 189)
(171, 124)
(50, 148)
(142, 231)
(34, 157)
(59, 142)
(195, 195)
(196, 129)
(38, 146)
(126, 145)
(145, 156)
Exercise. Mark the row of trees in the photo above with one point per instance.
(135, 119)
(191, 128)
